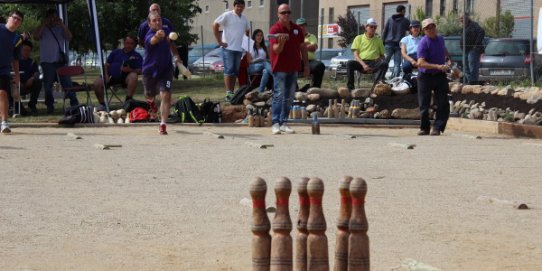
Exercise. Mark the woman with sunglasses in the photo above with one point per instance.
(259, 63)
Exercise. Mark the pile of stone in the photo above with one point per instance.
(473, 110)
(360, 103)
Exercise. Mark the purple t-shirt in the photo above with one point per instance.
(158, 59)
(144, 28)
(433, 51)
(118, 58)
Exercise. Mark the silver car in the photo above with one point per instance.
(506, 60)
(208, 62)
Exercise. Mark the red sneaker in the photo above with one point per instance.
(163, 129)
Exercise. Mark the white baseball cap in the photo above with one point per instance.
(371, 21)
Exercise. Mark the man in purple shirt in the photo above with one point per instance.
(157, 69)
(121, 68)
(432, 57)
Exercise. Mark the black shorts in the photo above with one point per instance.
(5, 83)
(119, 80)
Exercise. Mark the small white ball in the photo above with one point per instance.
(173, 36)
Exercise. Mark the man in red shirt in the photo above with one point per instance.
(287, 50)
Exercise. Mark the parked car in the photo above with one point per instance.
(197, 51)
(327, 54)
(208, 63)
(453, 46)
(505, 60)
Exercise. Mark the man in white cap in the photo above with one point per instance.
(368, 54)
(432, 57)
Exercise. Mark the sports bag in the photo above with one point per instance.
(78, 114)
(139, 114)
(211, 112)
(187, 111)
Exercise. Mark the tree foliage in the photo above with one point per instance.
(506, 26)
(350, 29)
(450, 25)
(116, 19)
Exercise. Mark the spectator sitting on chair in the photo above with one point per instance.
(259, 59)
(30, 79)
(369, 55)
(317, 68)
(409, 46)
(122, 67)
(52, 34)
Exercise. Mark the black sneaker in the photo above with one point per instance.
(423, 132)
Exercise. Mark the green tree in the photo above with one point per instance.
(449, 25)
(350, 28)
(506, 26)
(116, 19)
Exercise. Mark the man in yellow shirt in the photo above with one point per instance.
(368, 55)
(317, 68)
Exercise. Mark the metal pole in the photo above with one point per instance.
(532, 46)
(464, 41)
(202, 51)
(359, 22)
(321, 34)
(302, 8)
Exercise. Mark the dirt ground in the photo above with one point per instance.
(175, 202)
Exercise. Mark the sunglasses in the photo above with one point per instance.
(371, 26)
(285, 12)
(430, 27)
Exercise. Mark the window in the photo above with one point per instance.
(206, 8)
(470, 6)
(331, 15)
(249, 4)
(262, 3)
(442, 11)
(428, 8)
(454, 5)
(227, 5)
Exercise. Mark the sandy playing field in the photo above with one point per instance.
(174, 202)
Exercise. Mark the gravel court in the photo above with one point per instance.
(173, 202)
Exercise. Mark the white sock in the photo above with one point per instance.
(162, 123)
(4, 123)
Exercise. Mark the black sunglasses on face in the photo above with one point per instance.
(285, 12)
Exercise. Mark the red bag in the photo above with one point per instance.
(139, 114)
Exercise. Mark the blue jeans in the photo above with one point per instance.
(395, 51)
(473, 66)
(49, 77)
(407, 66)
(283, 93)
(232, 62)
(263, 68)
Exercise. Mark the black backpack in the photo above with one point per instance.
(78, 114)
(211, 112)
(239, 94)
(187, 111)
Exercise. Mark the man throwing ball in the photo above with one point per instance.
(157, 68)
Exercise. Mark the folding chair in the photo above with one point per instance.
(113, 92)
(70, 71)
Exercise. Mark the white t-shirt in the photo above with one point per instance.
(234, 28)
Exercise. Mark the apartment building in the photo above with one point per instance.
(383, 9)
(261, 14)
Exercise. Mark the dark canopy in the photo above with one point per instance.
(34, 1)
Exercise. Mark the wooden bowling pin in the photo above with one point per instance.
(261, 240)
(281, 241)
(345, 210)
(358, 242)
(302, 217)
(317, 251)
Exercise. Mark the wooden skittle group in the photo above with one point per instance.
(309, 252)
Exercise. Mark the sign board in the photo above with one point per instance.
(329, 31)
